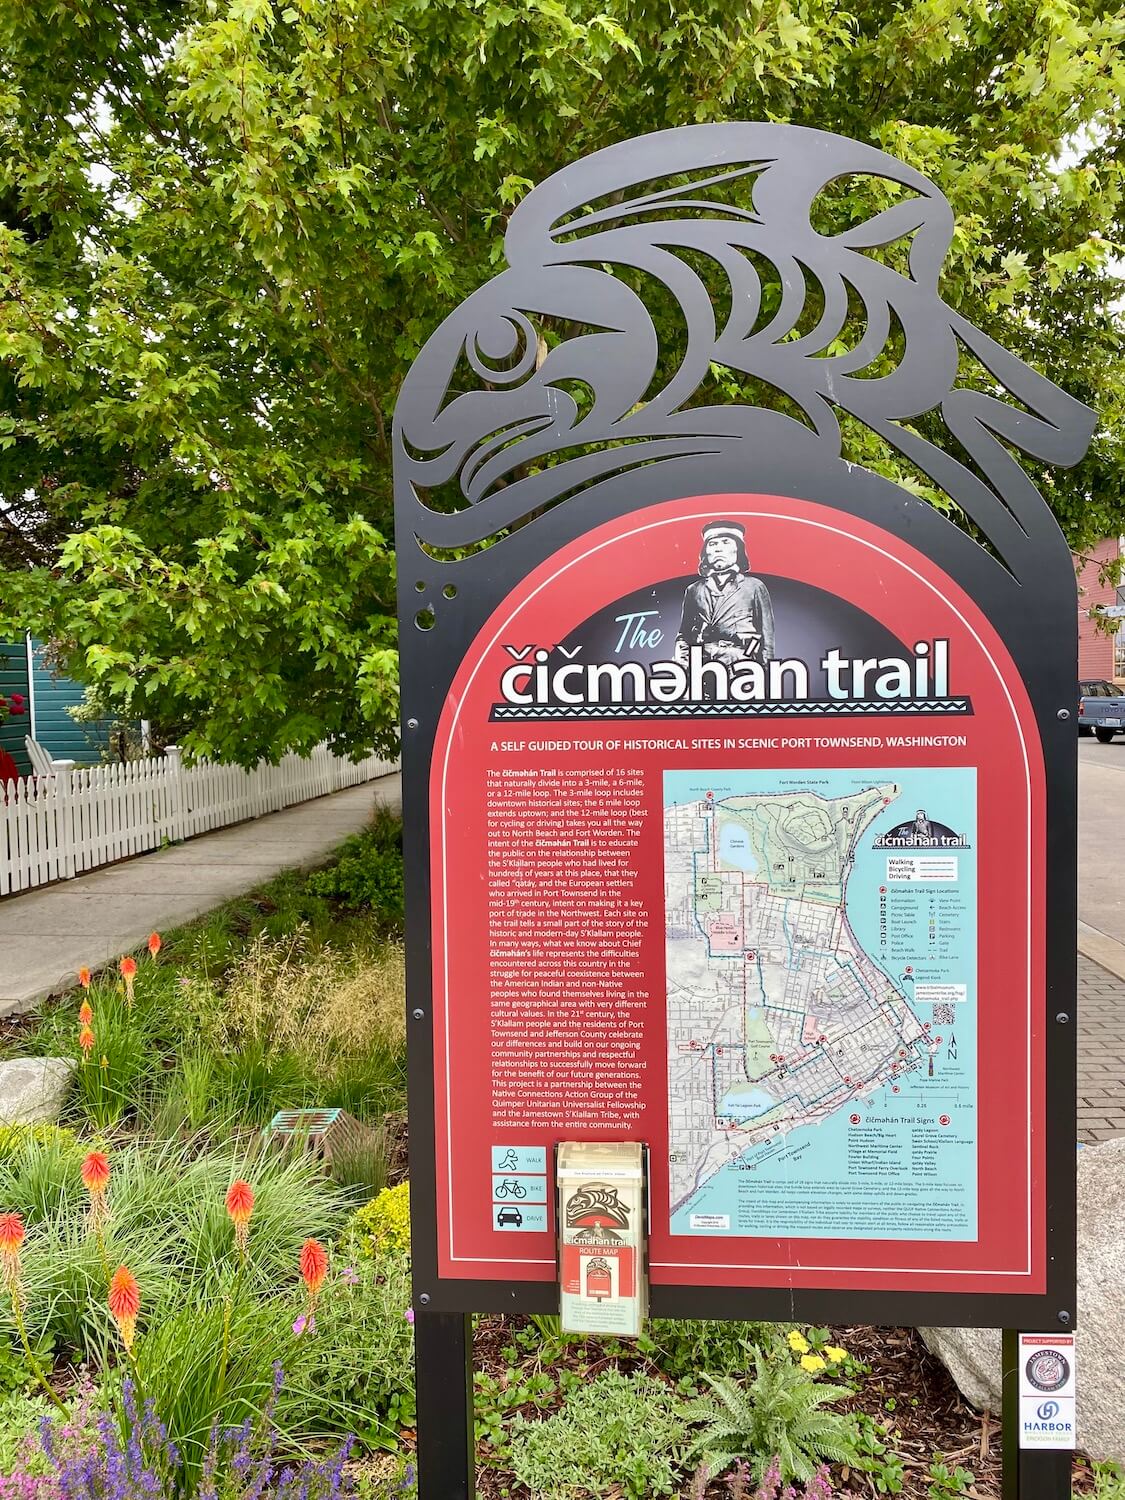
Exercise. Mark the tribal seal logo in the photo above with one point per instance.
(1048, 1370)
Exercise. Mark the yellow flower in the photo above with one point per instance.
(813, 1363)
(798, 1343)
(835, 1353)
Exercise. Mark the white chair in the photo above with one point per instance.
(41, 762)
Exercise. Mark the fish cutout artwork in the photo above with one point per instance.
(512, 426)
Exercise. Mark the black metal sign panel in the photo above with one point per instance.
(738, 781)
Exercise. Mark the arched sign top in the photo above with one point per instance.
(514, 427)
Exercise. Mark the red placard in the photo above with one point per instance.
(569, 965)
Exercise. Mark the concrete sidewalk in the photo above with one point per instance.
(1101, 940)
(1101, 1053)
(1101, 855)
(47, 934)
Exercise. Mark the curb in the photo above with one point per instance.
(1103, 950)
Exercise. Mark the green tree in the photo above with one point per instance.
(226, 226)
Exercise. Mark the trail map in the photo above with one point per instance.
(820, 935)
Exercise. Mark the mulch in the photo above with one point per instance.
(396, 1135)
(913, 1394)
(16, 1027)
(906, 1388)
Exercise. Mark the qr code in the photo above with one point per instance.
(943, 1014)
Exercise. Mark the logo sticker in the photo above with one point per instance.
(1048, 1370)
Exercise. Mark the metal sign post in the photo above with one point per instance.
(739, 782)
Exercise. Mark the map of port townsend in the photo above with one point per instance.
(778, 1019)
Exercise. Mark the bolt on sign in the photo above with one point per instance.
(738, 779)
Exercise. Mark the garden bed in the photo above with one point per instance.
(162, 1246)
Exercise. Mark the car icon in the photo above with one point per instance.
(509, 1214)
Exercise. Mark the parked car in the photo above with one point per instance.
(1101, 709)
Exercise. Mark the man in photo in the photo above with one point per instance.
(727, 612)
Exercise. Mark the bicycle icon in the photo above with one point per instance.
(511, 1161)
(510, 1188)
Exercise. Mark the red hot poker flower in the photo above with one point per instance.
(128, 967)
(313, 1264)
(95, 1176)
(86, 1040)
(84, 977)
(12, 1234)
(240, 1205)
(95, 1172)
(154, 944)
(85, 1013)
(240, 1201)
(125, 1304)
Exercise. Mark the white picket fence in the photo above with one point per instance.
(56, 826)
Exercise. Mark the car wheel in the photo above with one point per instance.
(1105, 735)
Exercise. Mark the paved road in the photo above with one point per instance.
(46, 935)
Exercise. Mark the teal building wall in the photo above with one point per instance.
(49, 696)
(13, 679)
(55, 730)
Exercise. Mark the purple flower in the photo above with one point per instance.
(249, 1452)
(409, 1315)
(101, 1458)
(306, 1323)
(350, 1275)
(819, 1486)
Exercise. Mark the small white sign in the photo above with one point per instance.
(940, 994)
(1048, 1406)
(710, 1221)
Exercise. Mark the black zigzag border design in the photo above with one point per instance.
(804, 709)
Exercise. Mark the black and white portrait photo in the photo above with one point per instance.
(727, 611)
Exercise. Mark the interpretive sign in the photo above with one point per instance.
(739, 780)
(728, 907)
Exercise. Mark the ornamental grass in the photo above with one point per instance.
(203, 1319)
(169, 1224)
(320, 1004)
